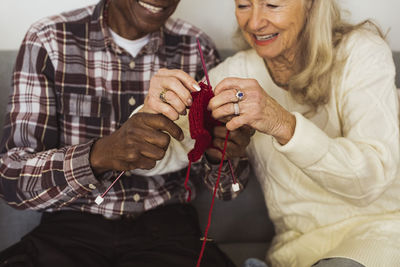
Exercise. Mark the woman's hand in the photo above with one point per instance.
(256, 109)
(169, 93)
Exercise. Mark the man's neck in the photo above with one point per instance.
(120, 25)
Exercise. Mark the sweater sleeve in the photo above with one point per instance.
(362, 163)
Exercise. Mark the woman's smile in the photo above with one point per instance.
(265, 39)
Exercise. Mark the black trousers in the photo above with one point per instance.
(166, 236)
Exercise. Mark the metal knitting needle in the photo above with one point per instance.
(100, 199)
(235, 185)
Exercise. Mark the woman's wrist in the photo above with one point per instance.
(286, 130)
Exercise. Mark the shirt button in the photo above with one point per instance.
(132, 101)
(132, 65)
(136, 197)
(92, 186)
(128, 173)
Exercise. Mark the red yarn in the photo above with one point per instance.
(203, 246)
(201, 122)
(201, 126)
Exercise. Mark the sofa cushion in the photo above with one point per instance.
(239, 252)
(7, 60)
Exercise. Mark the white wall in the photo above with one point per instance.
(214, 16)
(17, 15)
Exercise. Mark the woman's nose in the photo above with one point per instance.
(257, 20)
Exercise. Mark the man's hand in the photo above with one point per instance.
(138, 144)
(238, 140)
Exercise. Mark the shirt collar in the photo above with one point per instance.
(101, 39)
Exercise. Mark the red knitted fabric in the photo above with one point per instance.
(201, 122)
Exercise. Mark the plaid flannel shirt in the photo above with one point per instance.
(72, 85)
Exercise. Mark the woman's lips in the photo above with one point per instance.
(265, 39)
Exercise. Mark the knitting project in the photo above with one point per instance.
(201, 122)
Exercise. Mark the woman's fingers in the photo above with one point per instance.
(180, 83)
(224, 97)
(173, 100)
(170, 93)
(231, 83)
(183, 77)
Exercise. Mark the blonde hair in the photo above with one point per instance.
(324, 30)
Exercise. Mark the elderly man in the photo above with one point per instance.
(68, 134)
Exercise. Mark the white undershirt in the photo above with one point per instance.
(133, 47)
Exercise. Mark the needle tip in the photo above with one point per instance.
(99, 200)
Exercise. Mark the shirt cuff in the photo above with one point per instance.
(77, 170)
(136, 110)
(308, 144)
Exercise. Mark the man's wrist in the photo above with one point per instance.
(95, 159)
(211, 160)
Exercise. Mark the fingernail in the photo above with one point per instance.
(189, 101)
(197, 87)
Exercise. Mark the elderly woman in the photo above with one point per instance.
(320, 94)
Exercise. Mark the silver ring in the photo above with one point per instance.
(162, 96)
(239, 95)
(236, 109)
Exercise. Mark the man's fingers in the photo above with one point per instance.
(162, 123)
(220, 132)
(213, 155)
(152, 151)
(144, 163)
(147, 137)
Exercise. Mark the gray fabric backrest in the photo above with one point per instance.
(7, 60)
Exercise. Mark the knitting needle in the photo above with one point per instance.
(100, 199)
(203, 62)
(235, 185)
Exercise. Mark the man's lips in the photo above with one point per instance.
(152, 8)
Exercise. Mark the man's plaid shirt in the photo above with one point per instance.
(72, 85)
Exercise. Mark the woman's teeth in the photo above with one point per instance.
(151, 8)
(266, 37)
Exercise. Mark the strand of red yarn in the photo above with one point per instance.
(201, 125)
(212, 201)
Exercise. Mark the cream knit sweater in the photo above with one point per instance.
(334, 189)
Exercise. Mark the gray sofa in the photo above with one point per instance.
(241, 227)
